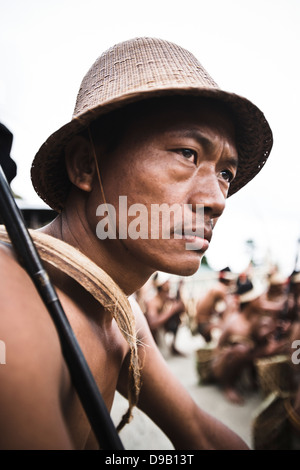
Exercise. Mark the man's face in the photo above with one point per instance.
(183, 155)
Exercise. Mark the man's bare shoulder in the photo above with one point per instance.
(33, 374)
(23, 313)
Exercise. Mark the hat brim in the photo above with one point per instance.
(254, 139)
(295, 278)
(253, 294)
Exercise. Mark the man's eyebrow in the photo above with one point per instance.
(193, 134)
(232, 161)
(205, 142)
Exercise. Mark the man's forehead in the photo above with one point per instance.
(197, 123)
(168, 112)
(184, 104)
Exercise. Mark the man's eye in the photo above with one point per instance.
(188, 154)
(227, 175)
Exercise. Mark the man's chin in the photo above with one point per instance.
(187, 268)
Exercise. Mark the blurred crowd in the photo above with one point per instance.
(250, 329)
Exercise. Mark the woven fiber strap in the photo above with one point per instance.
(101, 286)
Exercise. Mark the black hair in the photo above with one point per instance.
(108, 130)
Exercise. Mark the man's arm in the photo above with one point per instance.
(165, 400)
(206, 304)
(31, 380)
(156, 319)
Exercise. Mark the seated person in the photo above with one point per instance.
(247, 334)
(214, 304)
(163, 312)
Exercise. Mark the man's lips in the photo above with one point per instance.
(196, 239)
(195, 243)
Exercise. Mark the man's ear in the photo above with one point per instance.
(80, 163)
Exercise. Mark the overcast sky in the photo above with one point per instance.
(250, 47)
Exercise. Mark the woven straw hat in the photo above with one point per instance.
(138, 69)
(249, 291)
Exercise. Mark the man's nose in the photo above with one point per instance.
(208, 193)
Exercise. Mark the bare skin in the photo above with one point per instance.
(156, 316)
(38, 406)
(246, 335)
(161, 308)
(206, 309)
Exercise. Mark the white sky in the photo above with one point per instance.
(250, 47)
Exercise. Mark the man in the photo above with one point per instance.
(151, 125)
(163, 312)
(247, 334)
(213, 305)
(278, 291)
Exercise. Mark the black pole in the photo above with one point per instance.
(81, 375)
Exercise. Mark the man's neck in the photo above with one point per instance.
(110, 255)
